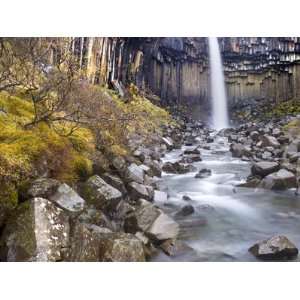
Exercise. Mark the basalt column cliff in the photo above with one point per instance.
(177, 69)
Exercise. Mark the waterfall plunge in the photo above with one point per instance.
(219, 99)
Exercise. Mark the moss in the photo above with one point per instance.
(281, 109)
(8, 200)
(20, 229)
(24, 152)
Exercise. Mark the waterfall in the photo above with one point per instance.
(219, 99)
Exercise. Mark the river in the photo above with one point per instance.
(227, 220)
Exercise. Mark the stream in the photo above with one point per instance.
(227, 219)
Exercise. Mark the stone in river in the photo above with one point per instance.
(275, 248)
(280, 180)
(264, 168)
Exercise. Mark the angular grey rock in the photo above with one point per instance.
(175, 248)
(67, 199)
(43, 187)
(102, 195)
(275, 248)
(268, 140)
(119, 163)
(134, 173)
(238, 150)
(39, 231)
(137, 191)
(280, 180)
(115, 181)
(93, 243)
(120, 247)
(152, 221)
(264, 168)
(163, 228)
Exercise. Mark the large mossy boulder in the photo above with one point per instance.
(93, 243)
(275, 248)
(38, 231)
(120, 247)
(102, 195)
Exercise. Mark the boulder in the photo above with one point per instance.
(191, 151)
(66, 198)
(191, 158)
(209, 139)
(264, 168)
(119, 164)
(268, 140)
(39, 231)
(84, 244)
(232, 138)
(186, 198)
(163, 228)
(137, 191)
(238, 150)
(96, 217)
(142, 218)
(175, 248)
(155, 168)
(178, 168)
(152, 221)
(283, 139)
(280, 180)
(203, 173)
(186, 210)
(43, 187)
(294, 157)
(115, 181)
(93, 243)
(275, 248)
(294, 146)
(120, 247)
(99, 193)
(134, 173)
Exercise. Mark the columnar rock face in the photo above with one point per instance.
(177, 69)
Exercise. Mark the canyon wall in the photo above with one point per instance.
(177, 69)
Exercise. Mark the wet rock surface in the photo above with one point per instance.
(275, 248)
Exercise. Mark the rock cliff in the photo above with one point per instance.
(177, 69)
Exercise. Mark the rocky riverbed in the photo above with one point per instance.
(189, 194)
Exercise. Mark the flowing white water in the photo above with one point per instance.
(219, 99)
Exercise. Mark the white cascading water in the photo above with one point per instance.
(219, 99)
